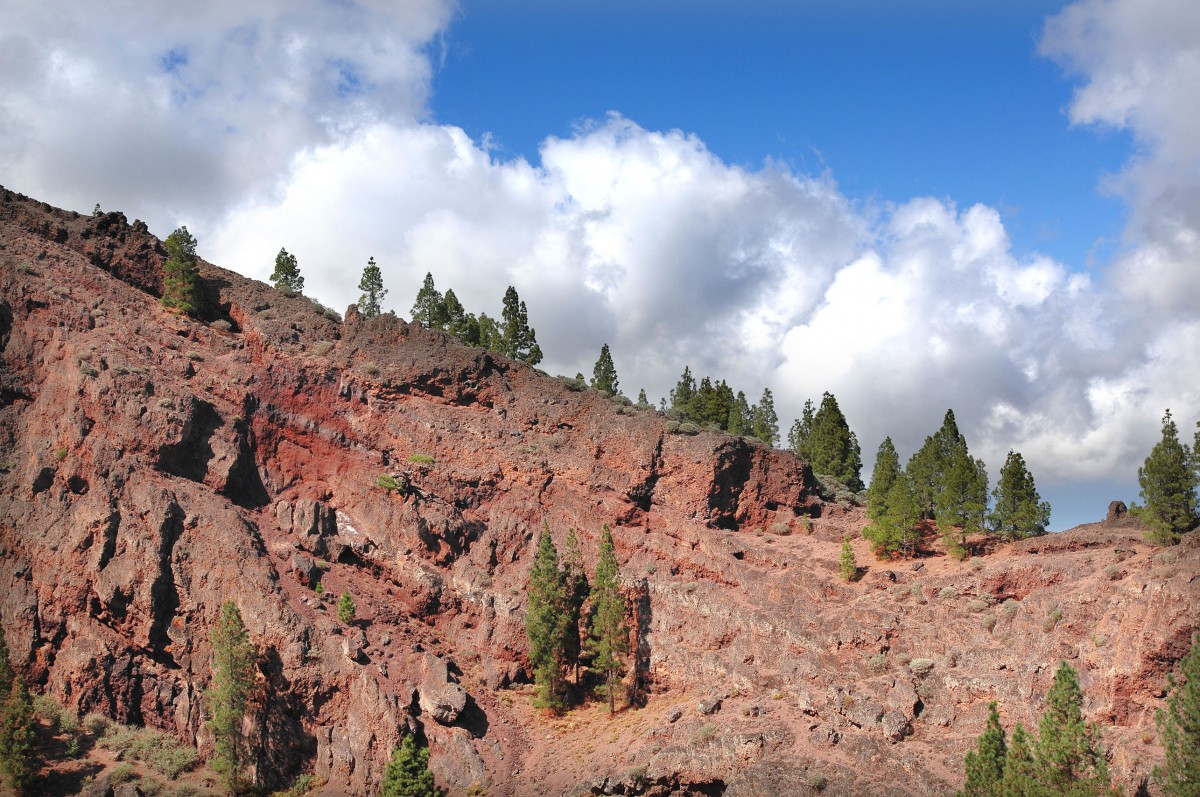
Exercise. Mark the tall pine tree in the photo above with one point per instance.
(896, 530)
(1168, 481)
(1179, 728)
(609, 631)
(1068, 755)
(18, 756)
(430, 310)
(985, 764)
(832, 448)
(684, 392)
(181, 275)
(883, 476)
(575, 593)
(286, 276)
(408, 774)
(766, 423)
(546, 623)
(801, 431)
(1020, 770)
(604, 373)
(371, 285)
(229, 698)
(517, 339)
(1019, 511)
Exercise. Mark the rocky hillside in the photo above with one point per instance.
(154, 466)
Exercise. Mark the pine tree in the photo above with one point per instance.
(1179, 728)
(181, 275)
(228, 700)
(801, 431)
(927, 468)
(884, 475)
(575, 592)
(740, 416)
(18, 757)
(489, 333)
(371, 285)
(985, 765)
(1019, 511)
(545, 623)
(609, 631)
(604, 373)
(430, 310)
(896, 530)
(642, 401)
(459, 322)
(1067, 754)
(766, 423)
(286, 276)
(1168, 481)
(832, 448)
(1020, 770)
(346, 609)
(847, 567)
(518, 340)
(408, 774)
(6, 670)
(684, 392)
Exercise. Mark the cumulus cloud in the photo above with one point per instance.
(169, 111)
(306, 126)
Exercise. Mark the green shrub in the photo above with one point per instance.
(346, 610)
(988, 623)
(322, 347)
(1009, 609)
(46, 709)
(389, 482)
(162, 753)
(123, 773)
(878, 662)
(1113, 573)
(421, 459)
(97, 725)
(706, 733)
(371, 368)
(301, 786)
(87, 369)
(947, 593)
(817, 782)
(60, 454)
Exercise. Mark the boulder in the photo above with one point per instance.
(440, 697)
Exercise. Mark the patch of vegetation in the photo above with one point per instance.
(322, 347)
(706, 733)
(162, 753)
(387, 481)
(421, 459)
(1052, 618)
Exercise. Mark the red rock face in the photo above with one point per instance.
(155, 466)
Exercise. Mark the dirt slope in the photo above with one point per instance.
(152, 467)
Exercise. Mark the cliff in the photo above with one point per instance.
(153, 466)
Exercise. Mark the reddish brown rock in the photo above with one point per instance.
(155, 466)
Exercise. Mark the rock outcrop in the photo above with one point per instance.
(153, 466)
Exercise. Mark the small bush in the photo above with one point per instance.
(60, 454)
(878, 662)
(389, 482)
(706, 733)
(947, 593)
(301, 786)
(421, 459)
(87, 369)
(1052, 618)
(682, 427)
(988, 623)
(921, 666)
(1113, 573)
(163, 753)
(371, 368)
(817, 782)
(322, 347)
(46, 709)
(123, 773)
(955, 550)
(573, 383)
(975, 605)
(222, 325)
(1009, 609)
(346, 609)
(1099, 640)
(903, 659)
(96, 725)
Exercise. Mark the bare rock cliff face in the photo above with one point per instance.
(154, 466)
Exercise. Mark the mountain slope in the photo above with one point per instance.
(156, 466)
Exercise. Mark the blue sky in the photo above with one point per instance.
(986, 206)
(896, 100)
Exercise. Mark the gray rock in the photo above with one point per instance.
(440, 697)
(711, 706)
(674, 714)
(824, 736)
(895, 726)
(865, 713)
